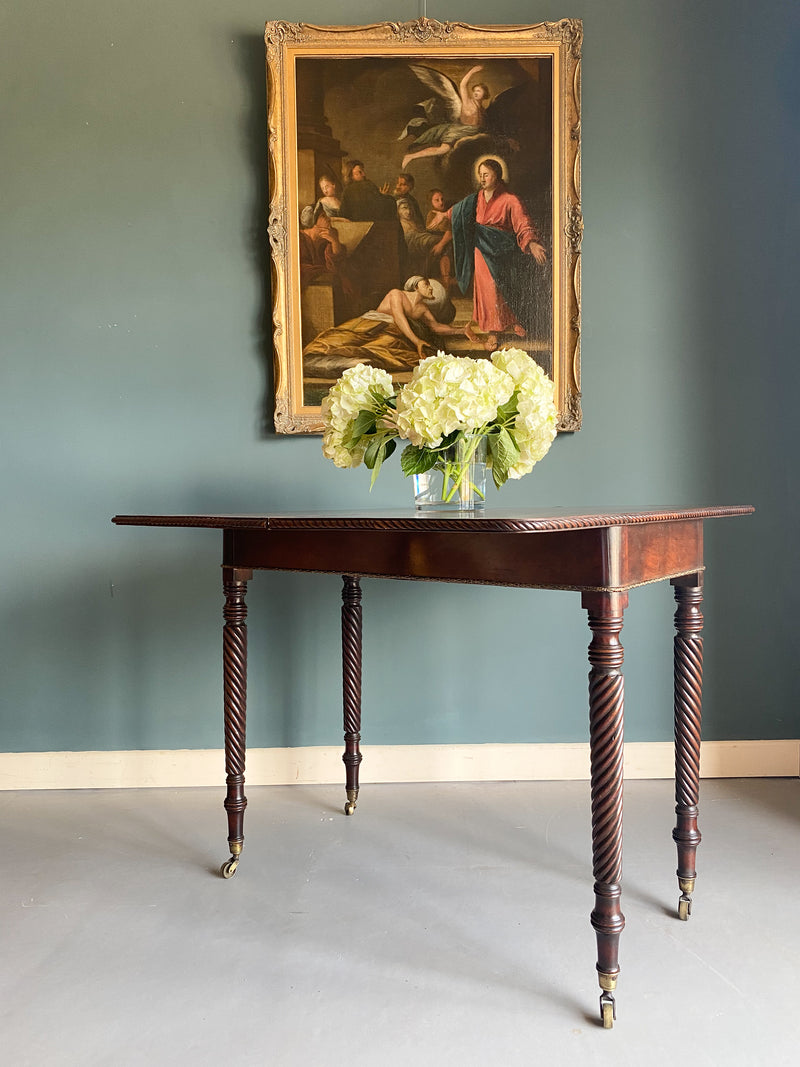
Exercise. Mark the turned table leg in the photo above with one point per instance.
(234, 665)
(351, 685)
(688, 707)
(606, 703)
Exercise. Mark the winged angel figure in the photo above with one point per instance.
(466, 110)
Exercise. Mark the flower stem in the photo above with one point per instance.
(465, 450)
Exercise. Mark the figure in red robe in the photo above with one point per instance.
(497, 249)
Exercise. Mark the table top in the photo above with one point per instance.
(576, 548)
(497, 520)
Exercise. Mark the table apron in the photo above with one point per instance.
(614, 557)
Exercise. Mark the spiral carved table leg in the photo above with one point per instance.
(351, 685)
(688, 712)
(606, 703)
(234, 660)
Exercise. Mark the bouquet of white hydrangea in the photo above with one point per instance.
(508, 400)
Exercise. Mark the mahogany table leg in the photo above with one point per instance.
(688, 709)
(234, 661)
(351, 685)
(606, 703)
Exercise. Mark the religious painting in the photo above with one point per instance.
(424, 196)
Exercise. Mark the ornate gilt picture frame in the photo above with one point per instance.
(427, 166)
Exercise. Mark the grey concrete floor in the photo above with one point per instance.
(441, 924)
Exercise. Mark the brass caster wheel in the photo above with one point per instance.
(684, 908)
(608, 1011)
(228, 869)
(349, 807)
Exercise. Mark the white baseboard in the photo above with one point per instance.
(383, 763)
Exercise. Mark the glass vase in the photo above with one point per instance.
(458, 481)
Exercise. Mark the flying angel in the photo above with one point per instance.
(465, 109)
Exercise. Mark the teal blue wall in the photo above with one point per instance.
(135, 365)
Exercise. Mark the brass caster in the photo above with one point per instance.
(608, 1010)
(228, 869)
(349, 807)
(684, 908)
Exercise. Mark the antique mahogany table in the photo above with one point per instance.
(600, 554)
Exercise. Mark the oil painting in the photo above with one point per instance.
(424, 196)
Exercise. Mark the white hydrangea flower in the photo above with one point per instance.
(350, 395)
(516, 362)
(535, 426)
(448, 393)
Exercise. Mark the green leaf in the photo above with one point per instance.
(416, 460)
(449, 441)
(377, 395)
(379, 449)
(364, 422)
(504, 455)
(380, 454)
(507, 411)
(374, 449)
